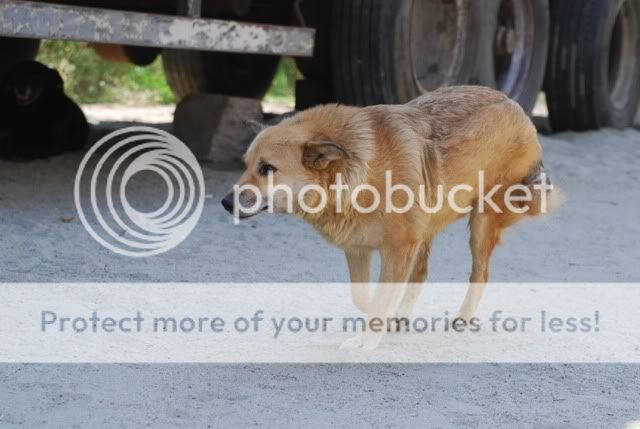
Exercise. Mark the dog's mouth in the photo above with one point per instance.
(24, 96)
(243, 216)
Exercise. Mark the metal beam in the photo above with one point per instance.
(52, 21)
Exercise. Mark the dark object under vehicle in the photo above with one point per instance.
(37, 119)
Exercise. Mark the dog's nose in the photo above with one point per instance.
(227, 202)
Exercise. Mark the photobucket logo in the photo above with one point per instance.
(530, 196)
(117, 160)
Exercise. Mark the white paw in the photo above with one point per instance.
(366, 342)
(371, 343)
(402, 325)
(404, 314)
(466, 317)
(352, 343)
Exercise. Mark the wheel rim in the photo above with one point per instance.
(438, 32)
(622, 58)
(513, 45)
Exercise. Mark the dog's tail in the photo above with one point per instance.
(545, 197)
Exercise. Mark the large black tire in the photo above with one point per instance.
(513, 50)
(14, 50)
(393, 51)
(593, 76)
(240, 75)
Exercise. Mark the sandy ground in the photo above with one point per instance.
(593, 238)
(97, 113)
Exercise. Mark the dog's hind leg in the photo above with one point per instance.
(485, 235)
(359, 262)
(416, 282)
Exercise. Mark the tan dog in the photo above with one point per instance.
(458, 139)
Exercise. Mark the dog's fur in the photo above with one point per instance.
(443, 138)
(37, 119)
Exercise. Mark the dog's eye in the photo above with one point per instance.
(264, 169)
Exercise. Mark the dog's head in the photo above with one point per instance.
(285, 164)
(29, 82)
(295, 162)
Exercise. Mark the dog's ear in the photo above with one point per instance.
(319, 154)
(56, 80)
(255, 126)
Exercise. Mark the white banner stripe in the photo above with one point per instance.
(242, 323)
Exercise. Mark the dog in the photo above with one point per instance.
(37, 119)
(461, 136)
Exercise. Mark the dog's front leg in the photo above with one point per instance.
(396, 266)
(359, 262)
(416, 282)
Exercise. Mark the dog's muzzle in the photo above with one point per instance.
(247, 202)
(227, 202)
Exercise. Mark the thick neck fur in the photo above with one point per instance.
(363, 133)
(349, 127)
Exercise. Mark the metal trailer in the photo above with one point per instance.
(584, 54)
(54, 21)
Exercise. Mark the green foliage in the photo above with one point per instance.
(91, 79)
(284, 83)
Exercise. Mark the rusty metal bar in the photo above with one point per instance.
(52, 21)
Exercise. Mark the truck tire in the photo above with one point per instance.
(594, 64)
(393, 51)
(513, 50)
(240, 75)
(14, 50)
